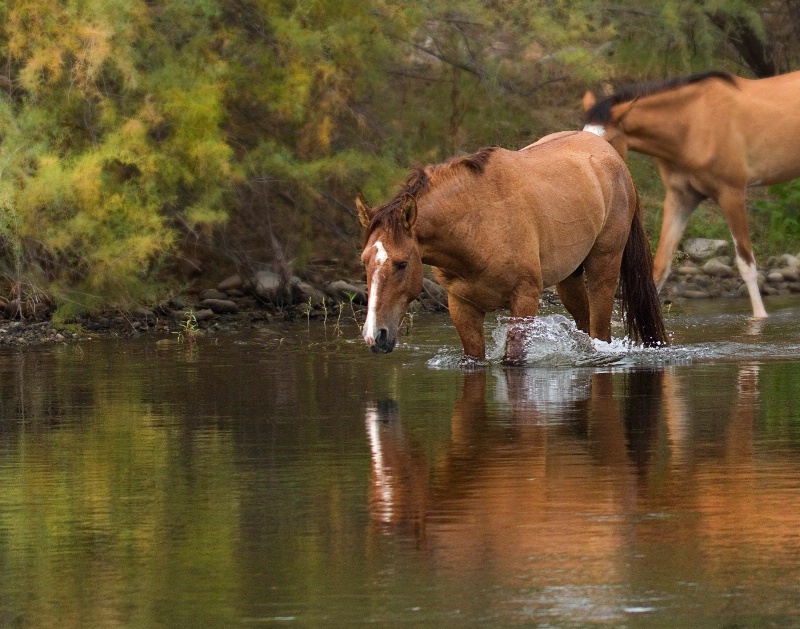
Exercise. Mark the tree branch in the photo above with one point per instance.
(758, 54)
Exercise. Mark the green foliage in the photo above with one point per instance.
(134, 131)
(112, 142)
(659, 38)
(777, 218)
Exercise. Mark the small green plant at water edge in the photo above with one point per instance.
(409, 321)
(338, 327)
(308, 308)
(189, 329)
(352, 297)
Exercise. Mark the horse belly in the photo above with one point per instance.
(487, 292)
(559, 263)
(767, 174)
(566, 237)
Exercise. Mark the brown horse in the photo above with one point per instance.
(712, 135)
(499, 226)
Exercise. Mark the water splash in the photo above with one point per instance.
(551, 341)
(555, 341)
(453, 358)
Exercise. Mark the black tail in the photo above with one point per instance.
(640, 303)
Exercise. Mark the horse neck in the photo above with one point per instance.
(434, 239)
(658, 125)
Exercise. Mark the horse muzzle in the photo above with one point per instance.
(382, 342)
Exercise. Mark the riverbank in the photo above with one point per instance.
(704, 271)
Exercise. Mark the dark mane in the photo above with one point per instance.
(600, 112)
(417, 183)
(475, 162)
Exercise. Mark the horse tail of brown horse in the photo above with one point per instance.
(640, 303)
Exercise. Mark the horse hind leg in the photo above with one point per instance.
(601, 284)
(749, 273)
(572, 292)
(735, 210)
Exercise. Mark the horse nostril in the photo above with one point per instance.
(384, 343)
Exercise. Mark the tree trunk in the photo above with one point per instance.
(758, 54)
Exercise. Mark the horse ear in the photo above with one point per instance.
(588, 100)
(620, 111)
(409, 212)
(364, 211)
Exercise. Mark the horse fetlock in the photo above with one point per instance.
(516, 340)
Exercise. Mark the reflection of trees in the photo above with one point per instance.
(130, 484)
(109, 511)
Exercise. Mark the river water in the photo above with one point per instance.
(287, 477)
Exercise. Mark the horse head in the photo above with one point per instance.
(605, 118)
(393, 263)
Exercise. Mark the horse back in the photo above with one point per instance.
(573, 192)
(768, 123)
(723, 133)
(577, 166)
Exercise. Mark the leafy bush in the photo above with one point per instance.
(133, 132)
(776, 218)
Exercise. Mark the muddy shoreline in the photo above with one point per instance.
(265, 300)
(180, 325)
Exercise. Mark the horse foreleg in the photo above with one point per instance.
(679, 204)
(469, 324)
(734, 208)
(572, 292)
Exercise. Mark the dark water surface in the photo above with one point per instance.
(290, 478)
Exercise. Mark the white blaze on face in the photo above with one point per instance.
(369, 327)
(597, 129)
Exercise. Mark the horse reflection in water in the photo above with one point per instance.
(399, 472)
(487, 456)
(563, 476)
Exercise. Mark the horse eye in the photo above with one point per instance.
(401, 266)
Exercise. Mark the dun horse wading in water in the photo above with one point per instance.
(498, 226)
(712, 135)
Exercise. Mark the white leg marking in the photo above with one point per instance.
(750, 276)
(372, 305)
(597, 129)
